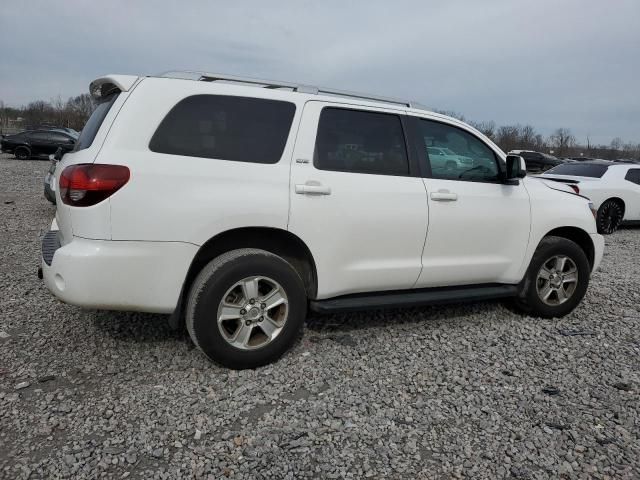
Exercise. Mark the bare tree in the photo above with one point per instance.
(562, 140)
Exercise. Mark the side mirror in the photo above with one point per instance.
(58, 155)
(516, 167)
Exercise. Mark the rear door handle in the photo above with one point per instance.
(444, 196)
(305, 189)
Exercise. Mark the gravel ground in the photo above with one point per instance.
(469, 391)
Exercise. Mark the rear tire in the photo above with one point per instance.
(246, 308)
(22, 153)
(609, 217)
(556, 281)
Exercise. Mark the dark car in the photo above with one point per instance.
(537, 162)
(36, 143)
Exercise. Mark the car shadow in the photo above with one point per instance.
(135, 326)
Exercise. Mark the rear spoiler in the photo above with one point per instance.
(562, 180)
(105, 86)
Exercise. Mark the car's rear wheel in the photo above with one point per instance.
(22, 153)
(557, 279)
(610, 215)
(246, 308)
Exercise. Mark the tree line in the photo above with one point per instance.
(72, 113)
(75, 111)
(561, 143)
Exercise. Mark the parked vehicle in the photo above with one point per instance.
(445, 158)
(537, 162)
(282, 199)
(614, 189)
(37, 143)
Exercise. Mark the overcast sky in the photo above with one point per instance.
(549, 63)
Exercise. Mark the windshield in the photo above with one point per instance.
(579, 170)
(95, 121)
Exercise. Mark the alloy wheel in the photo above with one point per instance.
(557, 280)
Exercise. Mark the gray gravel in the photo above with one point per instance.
(461, 391)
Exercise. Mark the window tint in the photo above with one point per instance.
(59, 137)
(461, 155)
(39, 136)
(633, 175)
(95, 121)
(594, 170)
(227, 128)
(361, 142)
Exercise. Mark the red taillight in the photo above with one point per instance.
(575, 188)
(85, 184)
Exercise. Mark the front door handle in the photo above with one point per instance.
(444, 196)
(306, 189)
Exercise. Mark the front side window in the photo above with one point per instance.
(226, 128)
(39, 136)
(455, 154)
(633, 175)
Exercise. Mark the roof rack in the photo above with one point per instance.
(296, 87)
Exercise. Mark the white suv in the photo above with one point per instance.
(237, 204)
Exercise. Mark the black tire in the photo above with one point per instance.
(22, 153)
(214, 282)
(609, 217)
(529, 301)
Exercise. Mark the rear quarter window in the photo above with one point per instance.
(579, 170)
(226, 128)
(94, 123)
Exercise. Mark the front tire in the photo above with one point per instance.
(609, 217)
(557, 279)
(22, 153)
(246, 308)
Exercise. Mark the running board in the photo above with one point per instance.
(413, 298)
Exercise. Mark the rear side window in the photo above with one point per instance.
(579, 170)
(360, 142)
(226, 128)
(633, 175)
(95, 121)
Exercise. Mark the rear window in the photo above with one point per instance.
(579, 170)
(95, 121)
(360, 142)
(227, 128)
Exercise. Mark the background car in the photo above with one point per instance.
(443, 158)
(537, 162)
(614, 189)
(37, 143)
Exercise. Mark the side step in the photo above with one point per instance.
(413, 298)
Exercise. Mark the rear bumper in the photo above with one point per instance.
(117, 275)
(598, 248)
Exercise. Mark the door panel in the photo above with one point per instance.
(365, 231)
(478, 227)
(480, 237)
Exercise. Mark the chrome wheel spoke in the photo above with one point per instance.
(570, 277)
(561, 262)
(229, 312)
(269, 327)
(250, 288)
(562, 295)
(545, 292)
(242, 335)
(545, 273)
(274, 298)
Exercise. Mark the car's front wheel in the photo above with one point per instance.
(557, 279)
(246, 308)
(22, 153)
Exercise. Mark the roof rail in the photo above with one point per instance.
(296, 87)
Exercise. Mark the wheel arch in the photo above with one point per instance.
(578, 236)
(275, 240)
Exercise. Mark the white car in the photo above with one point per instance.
(236, 208)
(614, 189)
(442, 157)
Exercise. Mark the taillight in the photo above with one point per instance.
(575, 188)
(85, 184)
